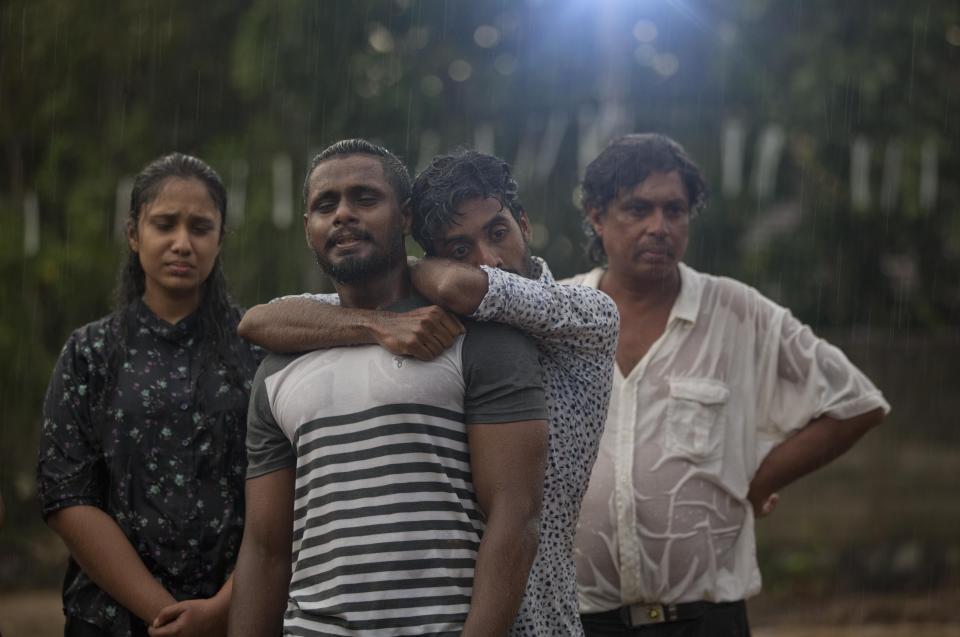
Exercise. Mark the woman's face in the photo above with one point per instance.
(177, 239)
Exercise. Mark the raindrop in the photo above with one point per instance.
(666, 64)
(380, 39)
(645, 54)
(418, 37)
(375, 72)
(541, 236)
(505, 64)
(368, 89)
(486, 36)
(953, 34)
(561, 250)
(645, 31)
(460, 70)
(31, 224)
(727, 32)
(431, 85)
(508, 21)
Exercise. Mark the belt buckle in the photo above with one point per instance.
(644, 614)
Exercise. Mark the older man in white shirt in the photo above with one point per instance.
(720, 398)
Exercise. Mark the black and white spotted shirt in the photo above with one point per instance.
(575, 329)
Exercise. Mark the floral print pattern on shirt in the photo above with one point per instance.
(163, 454)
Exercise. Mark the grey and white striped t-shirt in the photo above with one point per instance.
(386, 524)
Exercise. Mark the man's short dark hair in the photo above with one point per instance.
(449, 181)
(626, 162)
(393, 169)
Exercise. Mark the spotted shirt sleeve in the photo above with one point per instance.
(70, 468)
(557, 315)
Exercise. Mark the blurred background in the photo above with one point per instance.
(829, 133)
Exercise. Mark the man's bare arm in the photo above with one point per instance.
(507, 462)
(262, 577)
(456, 286)
(104, 553)
(577, 318)
(818, 443)
(301, 325)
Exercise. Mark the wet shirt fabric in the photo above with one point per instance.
(163, 454)
(575, 329)
(666, 518)
(386, 522)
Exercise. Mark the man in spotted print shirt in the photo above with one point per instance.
(469, 220)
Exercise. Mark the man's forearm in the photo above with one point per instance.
(260, 591)
(454, 286)
(820, 442)
(105, 554)
(506, 555)
(301, 325)
(261, 579)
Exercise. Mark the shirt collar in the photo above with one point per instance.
(687, 305)
(540, 271)
(183, 330)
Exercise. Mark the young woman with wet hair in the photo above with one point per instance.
(142, 458)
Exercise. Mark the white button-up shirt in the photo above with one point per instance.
(666, 516)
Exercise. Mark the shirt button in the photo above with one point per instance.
(184, 406)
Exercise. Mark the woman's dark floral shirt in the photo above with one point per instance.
(163, 455)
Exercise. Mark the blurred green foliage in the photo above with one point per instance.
(90, 93)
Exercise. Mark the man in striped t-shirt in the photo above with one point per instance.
(409, 490)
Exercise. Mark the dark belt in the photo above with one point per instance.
(643, 614)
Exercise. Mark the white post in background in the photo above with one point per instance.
(282, 191)
(596, 130)
(928, 174)
(237, 195)
(122, 207)
(860, 173)
(31, 224)
(483, 138)
(429, 146)
(550, 144)
(732, 147)
(769, 148)
(892, 170)
(526, 151)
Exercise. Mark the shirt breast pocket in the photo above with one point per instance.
(695, 415)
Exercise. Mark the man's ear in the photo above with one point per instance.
(525, 229)
(132, 239)
(406, 215)
(595, 215)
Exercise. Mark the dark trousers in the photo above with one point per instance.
(719, 620)
(80, 628)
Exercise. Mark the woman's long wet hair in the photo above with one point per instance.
(218, 315)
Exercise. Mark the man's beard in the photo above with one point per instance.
(528, 266)
(356, 269)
